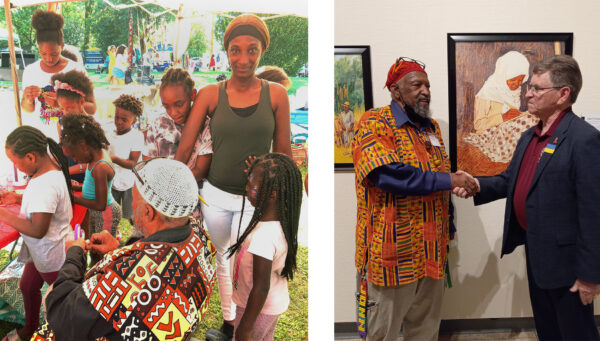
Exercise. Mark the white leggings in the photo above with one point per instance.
(222, 217)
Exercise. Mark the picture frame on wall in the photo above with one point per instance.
(353, 95)
(487, 82)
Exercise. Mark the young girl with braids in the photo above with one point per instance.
(265, 253)
(72, 88)
(83, 139)
(39, 95)
(44, 219)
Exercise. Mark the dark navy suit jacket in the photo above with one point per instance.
(562, 205)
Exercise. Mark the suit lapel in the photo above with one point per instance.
(552, 147)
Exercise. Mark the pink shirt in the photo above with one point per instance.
(267, 241)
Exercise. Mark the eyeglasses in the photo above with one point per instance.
(536, 89)
(138, 167)
(410, 60)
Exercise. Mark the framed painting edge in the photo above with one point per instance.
(453, 38)
(365, 53)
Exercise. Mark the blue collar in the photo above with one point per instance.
(401, 117)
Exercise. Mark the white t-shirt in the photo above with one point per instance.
(268, 241)
(47, 193)
(34, 75)
(121, 146)
(121, 61)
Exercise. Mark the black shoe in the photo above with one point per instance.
(217, 335)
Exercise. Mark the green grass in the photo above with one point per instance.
(292, 325)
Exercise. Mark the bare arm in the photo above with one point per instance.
(201, 167)
(77, 169)
(127, 163)
(281, 106)
(205, 103)
(90, 104)
(261, 283)
(36, 227)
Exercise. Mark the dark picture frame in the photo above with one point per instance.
(352, 83)
(480, 140)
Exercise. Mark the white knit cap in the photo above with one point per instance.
(169, 186)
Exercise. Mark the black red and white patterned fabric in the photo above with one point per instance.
(152, 290)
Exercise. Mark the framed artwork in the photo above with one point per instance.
(487, 82)
(353, 95)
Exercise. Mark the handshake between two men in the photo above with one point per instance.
(464, 185)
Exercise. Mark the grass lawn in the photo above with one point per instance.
(292, 325)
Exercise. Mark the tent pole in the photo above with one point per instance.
(13, 60)
(22, 57)
(178, 62)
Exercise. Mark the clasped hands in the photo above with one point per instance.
(464, 185)
(100, 243)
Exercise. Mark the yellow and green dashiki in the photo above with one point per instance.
(399, 239)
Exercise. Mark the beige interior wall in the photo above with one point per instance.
(484, 285)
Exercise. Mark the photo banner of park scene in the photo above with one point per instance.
(158, 35)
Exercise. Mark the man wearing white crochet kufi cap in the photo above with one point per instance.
(154, 288)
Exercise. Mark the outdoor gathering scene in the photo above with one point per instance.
(153, 170)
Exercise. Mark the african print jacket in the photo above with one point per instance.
(150, 290)
(399, 239)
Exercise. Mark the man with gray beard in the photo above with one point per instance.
(404, 213)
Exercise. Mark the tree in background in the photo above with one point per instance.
(348, 82)
(21, 19)
(198, 43)
(289, 41)
(75, 23)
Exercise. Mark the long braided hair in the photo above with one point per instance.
(27, 139)
(280, 174)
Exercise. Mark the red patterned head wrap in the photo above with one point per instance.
(401, 68)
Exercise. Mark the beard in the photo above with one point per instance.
(420, 109)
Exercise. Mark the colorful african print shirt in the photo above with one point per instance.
(399, 239)
(149, 290)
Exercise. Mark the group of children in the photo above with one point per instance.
(266, 247)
